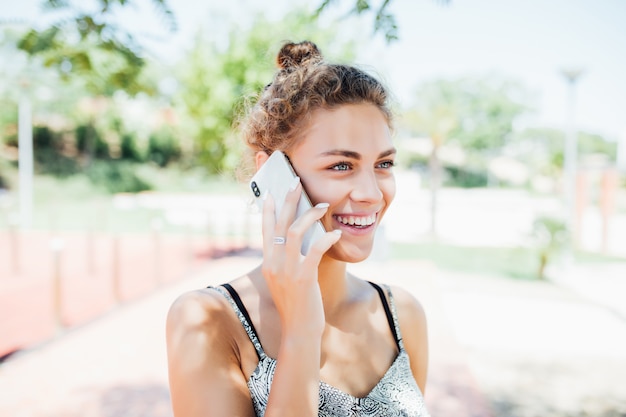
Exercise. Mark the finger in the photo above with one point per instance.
(302, 224)
(320, 247)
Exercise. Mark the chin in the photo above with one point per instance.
(351, 254)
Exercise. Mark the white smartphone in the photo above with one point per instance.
(276, 176)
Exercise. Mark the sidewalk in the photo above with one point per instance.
(115, 366)
(64, 279)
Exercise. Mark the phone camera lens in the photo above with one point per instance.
(255, 189)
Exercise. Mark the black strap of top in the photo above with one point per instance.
(241, 307)
(390, 320)
(380, 291)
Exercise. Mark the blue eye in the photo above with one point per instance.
(387, 164)
(341, 166)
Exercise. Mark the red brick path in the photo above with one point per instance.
(42, 289)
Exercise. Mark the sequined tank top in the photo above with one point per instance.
(395, 395)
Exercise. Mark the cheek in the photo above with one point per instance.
(388, 189)
(322, 191)
(327, 191)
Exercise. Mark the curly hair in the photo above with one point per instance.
(303, 83)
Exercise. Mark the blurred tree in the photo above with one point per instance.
(483, 108)
(52, 97)
(218, 80)
(476, 113)
(384, 20)
(488, 107)
(436, 116)
(90, 46)
(542, 148)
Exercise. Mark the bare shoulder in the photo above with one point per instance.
(410, 309)
(196, 322)
(196, 308)
(203, 358)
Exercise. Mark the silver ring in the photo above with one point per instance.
(279, 240)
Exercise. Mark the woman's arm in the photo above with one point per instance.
(204, 370)
(292, 283)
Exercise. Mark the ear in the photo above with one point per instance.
(259, 158)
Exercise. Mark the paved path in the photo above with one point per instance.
(48, 281)
(499, 347)
(115, 366)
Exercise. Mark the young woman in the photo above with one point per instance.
(299, 335)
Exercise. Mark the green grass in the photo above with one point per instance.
(518, 263)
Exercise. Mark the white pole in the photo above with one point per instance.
(571, 154)
(25, 160)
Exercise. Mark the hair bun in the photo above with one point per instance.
(294, 55)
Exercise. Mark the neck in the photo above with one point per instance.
(333, 283)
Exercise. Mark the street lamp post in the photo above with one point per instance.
(25, 159)
(571, 153)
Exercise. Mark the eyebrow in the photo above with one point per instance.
(355, 155)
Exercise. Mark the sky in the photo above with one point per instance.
(530, 41)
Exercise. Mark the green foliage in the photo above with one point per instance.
(478, 112)
(217, 83)
(5, 181)
(591, 143)
(506, 262)
(129, 150)
(45, 138)
(88, 45)
(544, 148)
(48, 152)
(163, 148)
(50, 161)
(90, 143)
(117, 177)
(550, 235)
(518, 263)
(465, 177)
(384, 20)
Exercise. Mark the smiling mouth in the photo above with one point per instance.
(359, 222)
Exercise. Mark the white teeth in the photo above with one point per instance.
(357, 221)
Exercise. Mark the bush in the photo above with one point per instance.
(117, 177)
(46, 138)
(49, 161)
(551, 235)
(48, 153)
(466, 178)
(129, 150)
(90, 143)
(163, 148)
(4, 182)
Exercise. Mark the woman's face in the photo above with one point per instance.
(345, 158)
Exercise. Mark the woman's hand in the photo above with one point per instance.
(290, 276)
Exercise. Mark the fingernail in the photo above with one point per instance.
(322, 205)
(337, 232)
(294, 183)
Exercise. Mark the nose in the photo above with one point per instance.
(366, 188)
